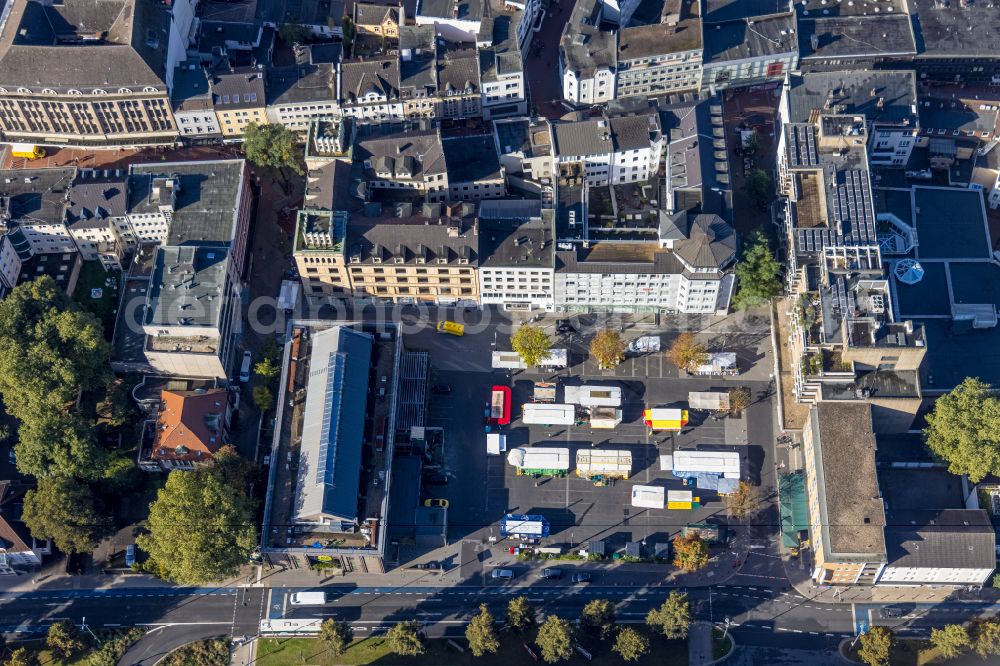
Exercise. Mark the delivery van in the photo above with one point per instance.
(450, 327)
(27, 150)
(307, 598)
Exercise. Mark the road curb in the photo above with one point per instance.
(199, 640)
(840, 652)
(732, 649)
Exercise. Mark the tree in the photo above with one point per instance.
(293, 33)
(964, 430)
(599, 616)
(631, 645)
(673, 618)
(59, 443)
(745, 502)
(263, 398)
(686, 352)
(273, 146)
(63, 509)
(986, 634)
(64, 639)
(268, 369)
(752, 145)
(200, 527)
(335, 635)
(531, 343)
(520, 614)
(876, 646)
(758, 274)
(405, 640)
(21, 657)
(482, 634)
(607, 348)
(739, 399)
(690, 552)
(951, 640)
(759, 186)
(555, 638)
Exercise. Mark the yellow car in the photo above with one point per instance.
(437, 502)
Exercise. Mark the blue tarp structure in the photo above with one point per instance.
(706, 481)
(728, 486)
(529, 527)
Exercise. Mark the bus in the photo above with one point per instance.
(451, 327)
(27, 150)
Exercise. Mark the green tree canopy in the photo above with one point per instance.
(745, 502)
(986, 634)
(758, 274)
(599, 616)
(405, 639)
(686, 352)
(876, 646)
(607, 348)
(263, 398)
(739, 399)
(631, 645)
(951, 640)
(293, 33)
(531, 343)
(63, 509)
(337, 636)
(964, 430)
(482, 633)
(555, 638)
(690, 552)
(759, 186)
(200, 527)
(59, 443)
(21, 657)
(268, 369)
(64, 639)
(673, 618)
(520, 614)
(273, 146)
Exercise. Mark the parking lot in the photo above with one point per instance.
(482, 488)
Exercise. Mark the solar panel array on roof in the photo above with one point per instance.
(411, 408)
(814, 240)
(852, 204)
(334, 394)
(802, 146)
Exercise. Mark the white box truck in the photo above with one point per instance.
(307, 598)
(648, 497)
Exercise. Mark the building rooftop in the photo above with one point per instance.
(207, 199)
(716, 11)
(697, 167)
(190, 91)
(379, 77)
(584, 47)
(366, 13)
(418, 76)
(416, 239)
(462, 10)
(737, 40)
(217, 37)
(188, 286)
(36, 196)
(967, 117)
(955, 29)
(95, 196)
(471, 158)
(60, 266)
(410, 155)
(190, 424)
(458, 71)
(679, 33)
(320, 230)
(85, 45)
(850, 502)
(883, 97)
(823, 36)
(416, 37)
(582, 138)
(945, 539)
(515, 233)
(241, 88)
(301, 84)
(14, 534)
(627, 258)
(702, 241)
(329, 472)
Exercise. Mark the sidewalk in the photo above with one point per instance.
(243, 653)
(700, 644)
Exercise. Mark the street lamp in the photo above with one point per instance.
(728, 623)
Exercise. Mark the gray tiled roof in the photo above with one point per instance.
(584, 46)
(652, 40)
(736, 40)
(190, 91)
(458, 70)
(412, 37)
(417, 76)
(634, 132)
(238, 89)
(35, 194)
(183, 276)
(630, 259)
(421, 151)
(216, 34)
(436, 237)
(710, 242)
(517, 240)
(582, 138)
(131, 50)
(360, 77)
(946, 539)
(370, 14)
(96, 196)
(956, 29)
(297, 84)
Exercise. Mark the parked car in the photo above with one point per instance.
(564, 326)
(581, 577)
(896, 610)
(130, 555)
(505, 574)
(550, 572)
(441, 389)
(245, 367)
(443, 503)
(436, 480)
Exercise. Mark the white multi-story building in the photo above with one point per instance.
(615, 150)
(97, 216)
(191, 101)
(369, 89)
(501, 63)
(455, 21)
(661, 58)
(951, 547)
(516, 269)
(685, 271)
(587, 57)
(299, 93)
(749, 51)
